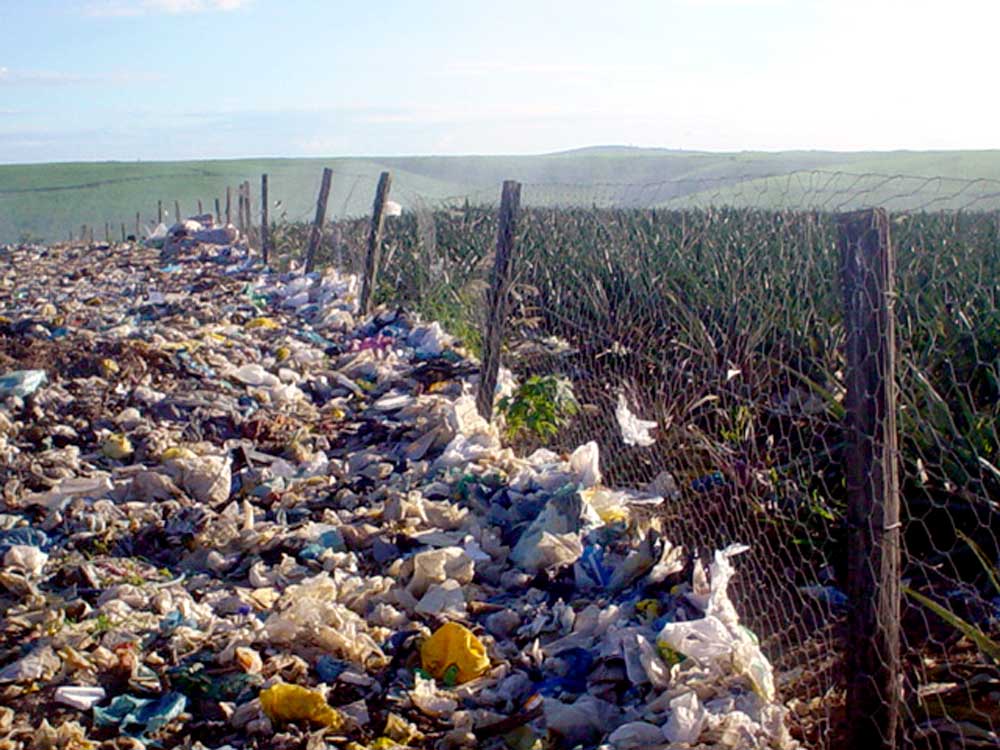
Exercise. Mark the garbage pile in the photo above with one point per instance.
(192, 232)
(236, 515)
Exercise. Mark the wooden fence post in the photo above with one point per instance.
(138, 232)
(177, 212)
(265, 233)
(873, 661)
(229, 205)
(374, 243)
(240, 216)
(200, 209)
(83, 233)
(159, 212)
(496, 313)
(123, 231)
(316, 234)
(107, 232)
(218, 212)
(248, 210)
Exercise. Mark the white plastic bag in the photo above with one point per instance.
(718, 638)
(584, 463)
(637, 735)
(439, 565)
(687, 719)
(635, 431)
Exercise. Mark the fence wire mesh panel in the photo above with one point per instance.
(716, 310)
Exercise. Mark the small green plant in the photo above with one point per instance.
(539, 406)
(102, 624)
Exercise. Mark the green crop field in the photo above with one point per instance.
(47, 201)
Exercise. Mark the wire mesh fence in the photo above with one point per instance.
(718, 311)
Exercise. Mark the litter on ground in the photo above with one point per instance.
(236, 514)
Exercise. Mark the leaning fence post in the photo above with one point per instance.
(229, 205)
(873, 661)
(218, 212)
(496, 309)
(265, 235)
(316, 234)
(374, 242)
(177, 212)
(241, 223)
(247, 210)
(123, 231)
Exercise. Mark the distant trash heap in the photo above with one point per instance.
(235, 515)
(192, 232)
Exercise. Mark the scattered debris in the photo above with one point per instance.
(234, 513)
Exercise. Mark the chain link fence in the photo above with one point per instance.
(717, 312)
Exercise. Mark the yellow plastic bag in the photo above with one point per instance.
(177, 452)
(399, 732)
(454, 652)
(117, 446)
(284, 702)
(265, 323)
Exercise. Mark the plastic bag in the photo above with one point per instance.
(284, 702)
(94, 486)
(447, 598)
(29, 559)
(152, 715)
(553, 538)
(254, 374)
(635, 431)
(117, 446)
(398, 731)
(40, 664)
(309, 614)
(584, 464)
(429, 341)
(637, 735)
(438, 566)
(581, 723)
(429, 700)
(454, 651)
(687, 719)
(207, 479)
(718, 638)
(79, 697)
(546, 551)
(21, 383)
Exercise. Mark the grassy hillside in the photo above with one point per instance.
(48, 200)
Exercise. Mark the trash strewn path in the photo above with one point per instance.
(233, 515)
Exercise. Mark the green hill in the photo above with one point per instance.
(47, 201)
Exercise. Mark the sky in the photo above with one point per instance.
(85, 80)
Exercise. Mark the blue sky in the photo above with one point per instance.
(172, 79)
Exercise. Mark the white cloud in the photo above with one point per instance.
(733, 3)
(10, 77)
(172, 7)
(478, 68)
